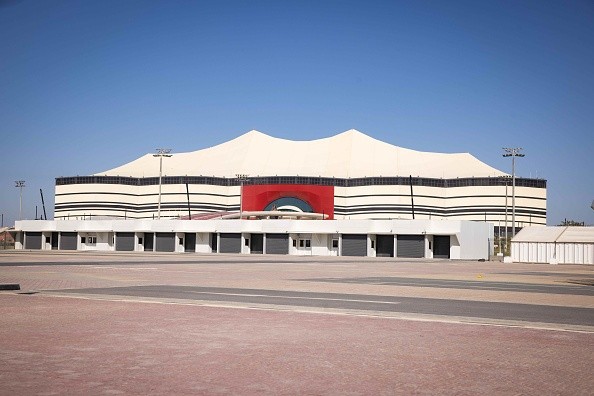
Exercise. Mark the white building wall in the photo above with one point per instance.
(469, 240)
(553, 252)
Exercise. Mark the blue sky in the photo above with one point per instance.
(89, 85)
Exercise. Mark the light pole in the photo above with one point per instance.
(242, 177)
(513, 152)
(161, 152)
(20, 184)
(505, 179)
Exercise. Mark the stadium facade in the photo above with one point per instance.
(347, 176)
(346, 195)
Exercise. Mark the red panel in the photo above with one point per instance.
(321, 198)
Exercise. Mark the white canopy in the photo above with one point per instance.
(350, 154)
(560, 234)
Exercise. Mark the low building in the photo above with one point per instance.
(554, 245)
(373, 238)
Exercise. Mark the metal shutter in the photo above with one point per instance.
(441, 246)
(32, 240)
(384, 245)
(68, 240)
(354, 245)
(124, 241)
(277, 244)
(410, 246)
(230, 243)
(190, 242)
(257, 244)
(165, 242)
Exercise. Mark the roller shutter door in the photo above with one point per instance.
(411, 246)
(354, 245)
(68, 240)
(230, 243)
(124, 241)
(277, 244)
(384, 245)
(190, 242)
(32, 240)
(165, 242)
(441, 246)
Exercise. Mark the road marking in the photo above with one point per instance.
(463, 320)
(126, 268)
(297, 297)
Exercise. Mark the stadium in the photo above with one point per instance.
(347, 176)
(346, 195)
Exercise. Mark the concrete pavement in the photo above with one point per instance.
(59, 340)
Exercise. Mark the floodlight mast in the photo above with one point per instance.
(161, 152)
(513, 152)
(20, 184)
(242, 177)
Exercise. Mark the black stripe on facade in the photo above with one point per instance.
(321, 181)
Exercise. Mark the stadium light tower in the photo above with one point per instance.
(242, 177)
(513, 152)
(161, 152)
(20, 184)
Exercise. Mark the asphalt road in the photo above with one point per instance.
(366, 303)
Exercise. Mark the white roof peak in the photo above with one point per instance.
(348, 154)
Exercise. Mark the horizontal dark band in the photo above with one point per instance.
(319, 181)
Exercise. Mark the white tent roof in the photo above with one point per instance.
(349, 154)
(538, 234)
(556, 234)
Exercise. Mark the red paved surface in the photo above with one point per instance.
(52, 345)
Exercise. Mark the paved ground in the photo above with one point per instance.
(215, 324)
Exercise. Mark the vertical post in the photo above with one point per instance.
(161, 152)
(20, 184)
(160, 184)
(499, 234)
(43, 204)
(513, 195)
(188, 195)
(506, 214)
(412, 200)
(513, 152)
(242, 177)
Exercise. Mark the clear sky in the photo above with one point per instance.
(86, 86)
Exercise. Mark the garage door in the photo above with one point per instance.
(277, 243)
(384, 245)
(230, 243)
(354, 245)
(68, 240)
(32, 240)
(165, 242)
(410, 246)
(441, 246)
(124, 241)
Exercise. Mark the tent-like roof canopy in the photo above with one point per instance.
(560, 234)
(350, 154)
